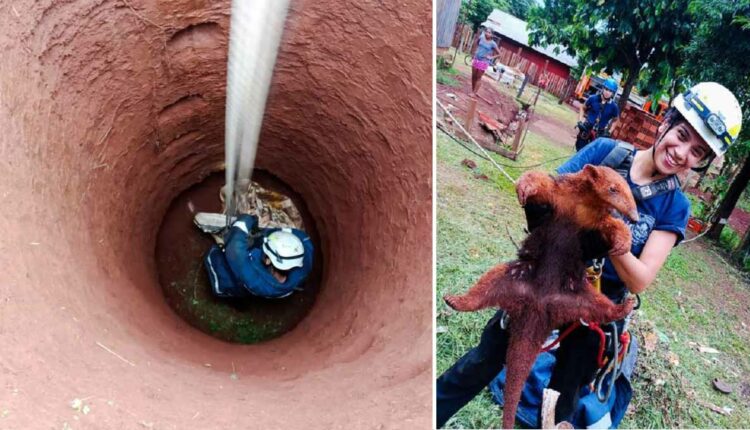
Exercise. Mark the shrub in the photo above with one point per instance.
(729, 239)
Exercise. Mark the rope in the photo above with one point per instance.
(613, 368)
(565, 333)
(696, 237)
(254, 37)
(460, 127)
(602, 342)
(441, 127)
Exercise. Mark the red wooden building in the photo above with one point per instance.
(536, 62)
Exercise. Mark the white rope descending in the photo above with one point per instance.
(455, 121)
(254, 37)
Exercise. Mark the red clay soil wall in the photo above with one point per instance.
(108, 110)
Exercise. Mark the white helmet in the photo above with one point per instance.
(284, 249)
(714, 113)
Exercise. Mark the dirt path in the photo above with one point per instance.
(556, 131)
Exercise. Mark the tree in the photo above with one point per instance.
(623, 35)
(720, 52)
(520, 8)
(477, 11)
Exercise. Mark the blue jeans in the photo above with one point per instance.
(576, 366)
(472, 372)
(220, 276)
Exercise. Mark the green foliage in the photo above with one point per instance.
(617, 35)
(444, 77)
(441, 63)
(729, 239)
(744, 202)
(719, 51)
(477, 11)
(520, 8)
(698, 208)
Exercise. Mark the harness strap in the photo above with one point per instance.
(645, 192)
(624, 343)
(620, 158)
(593, 326)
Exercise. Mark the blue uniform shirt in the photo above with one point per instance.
(668, 211)
(239, 270)
(605, 112)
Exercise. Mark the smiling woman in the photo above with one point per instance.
(701, 125)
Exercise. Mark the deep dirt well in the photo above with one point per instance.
(180, 251)
(111, 108)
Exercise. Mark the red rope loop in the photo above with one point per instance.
(624, 340)
(567, 331)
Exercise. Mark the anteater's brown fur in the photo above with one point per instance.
(546, 287)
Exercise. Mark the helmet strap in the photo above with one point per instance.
(655, 172)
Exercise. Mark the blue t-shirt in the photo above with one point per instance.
(668, 211)
(605, 112)
(485, 48)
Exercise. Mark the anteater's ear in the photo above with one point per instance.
(591, 171)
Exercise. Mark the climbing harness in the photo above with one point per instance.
(594, 274)
(620, 158)
(562, 336)
(616, 343)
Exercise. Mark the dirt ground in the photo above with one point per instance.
(492, 103)
(558, 132)
(503, 108)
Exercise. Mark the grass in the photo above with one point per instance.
(190, 298)
(729, 239)
(696, 300)
(445, 77)
(677, 306)
(744, 201)
(472, 218)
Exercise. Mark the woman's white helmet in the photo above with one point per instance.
(284, 249)
(714, 113)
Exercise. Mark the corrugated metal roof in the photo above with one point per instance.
(513, 28)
